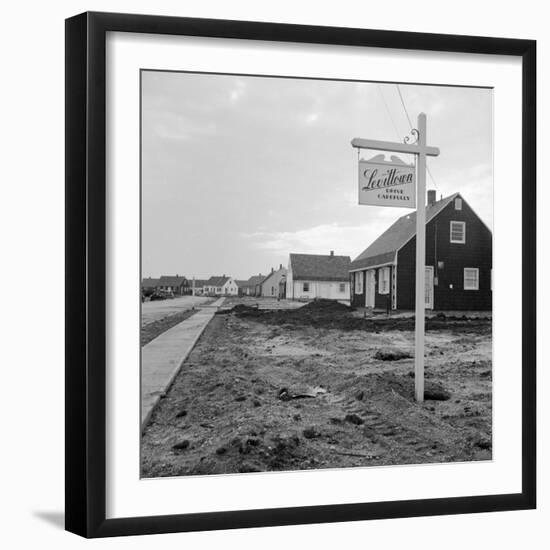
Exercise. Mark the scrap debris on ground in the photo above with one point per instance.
(320, 387)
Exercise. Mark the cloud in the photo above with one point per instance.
(173, 127)
(312, 117)
(349, 240)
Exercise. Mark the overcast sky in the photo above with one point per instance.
(240, 171)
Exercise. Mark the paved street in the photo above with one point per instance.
(152, 311)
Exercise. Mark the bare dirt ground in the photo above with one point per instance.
(322, 387)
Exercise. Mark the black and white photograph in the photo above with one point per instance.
(288, 321)
(274, 275)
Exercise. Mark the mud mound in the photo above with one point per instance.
(392, 355)
(322, 306)
(318, 313)
(379, 384)
(239, 308)
(332, 314)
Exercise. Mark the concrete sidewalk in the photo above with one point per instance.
(162, 358)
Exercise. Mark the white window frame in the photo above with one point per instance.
(476, 271)
(458, 203)
(342, 287)
(358, 282)
(384, 280)
(304, 289)
(463, 224)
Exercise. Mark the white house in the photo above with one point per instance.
(223, 286)
(312, 276)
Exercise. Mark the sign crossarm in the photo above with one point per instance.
(415, 149)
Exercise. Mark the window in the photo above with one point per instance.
(306, 287)
(458, 203)
(458, 232)
(471, 278)
(384, 280)
(359, 282)
(342, 287)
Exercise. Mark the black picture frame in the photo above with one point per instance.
(86, 263)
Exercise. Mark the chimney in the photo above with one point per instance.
(431, 197)
(332, 252)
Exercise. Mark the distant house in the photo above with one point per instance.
(196, 286)
(241, 284)
(270, 285)
(149, 284)
(252, 286)
(177, 284)
(221, 285)
(458, 261)
(318, 276)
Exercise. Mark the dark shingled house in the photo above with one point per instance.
(458, 261)
(177, 284)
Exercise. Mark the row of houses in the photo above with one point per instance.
(458, 264)
(177, 284)
(271, 285)
(458, 267)
(180, 285)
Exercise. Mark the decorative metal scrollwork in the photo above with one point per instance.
(413, 138)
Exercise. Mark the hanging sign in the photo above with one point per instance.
(387, 183)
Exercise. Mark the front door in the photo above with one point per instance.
(429, 287)
(324, 290)
(369, 288)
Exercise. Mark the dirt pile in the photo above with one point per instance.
(382, 386)
(392, 355)
(331, 314)
(318, 313)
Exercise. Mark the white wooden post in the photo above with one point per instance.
(421, 149)
(420, 300)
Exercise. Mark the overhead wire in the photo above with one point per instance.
(388, 111)
(411, 127)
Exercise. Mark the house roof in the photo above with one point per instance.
(383, 249)
(275, 272)
(149, 282)
(171, 280)
(240, 283)
(217, 280)
(255, 280)
(319, 267)
(198, 283)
